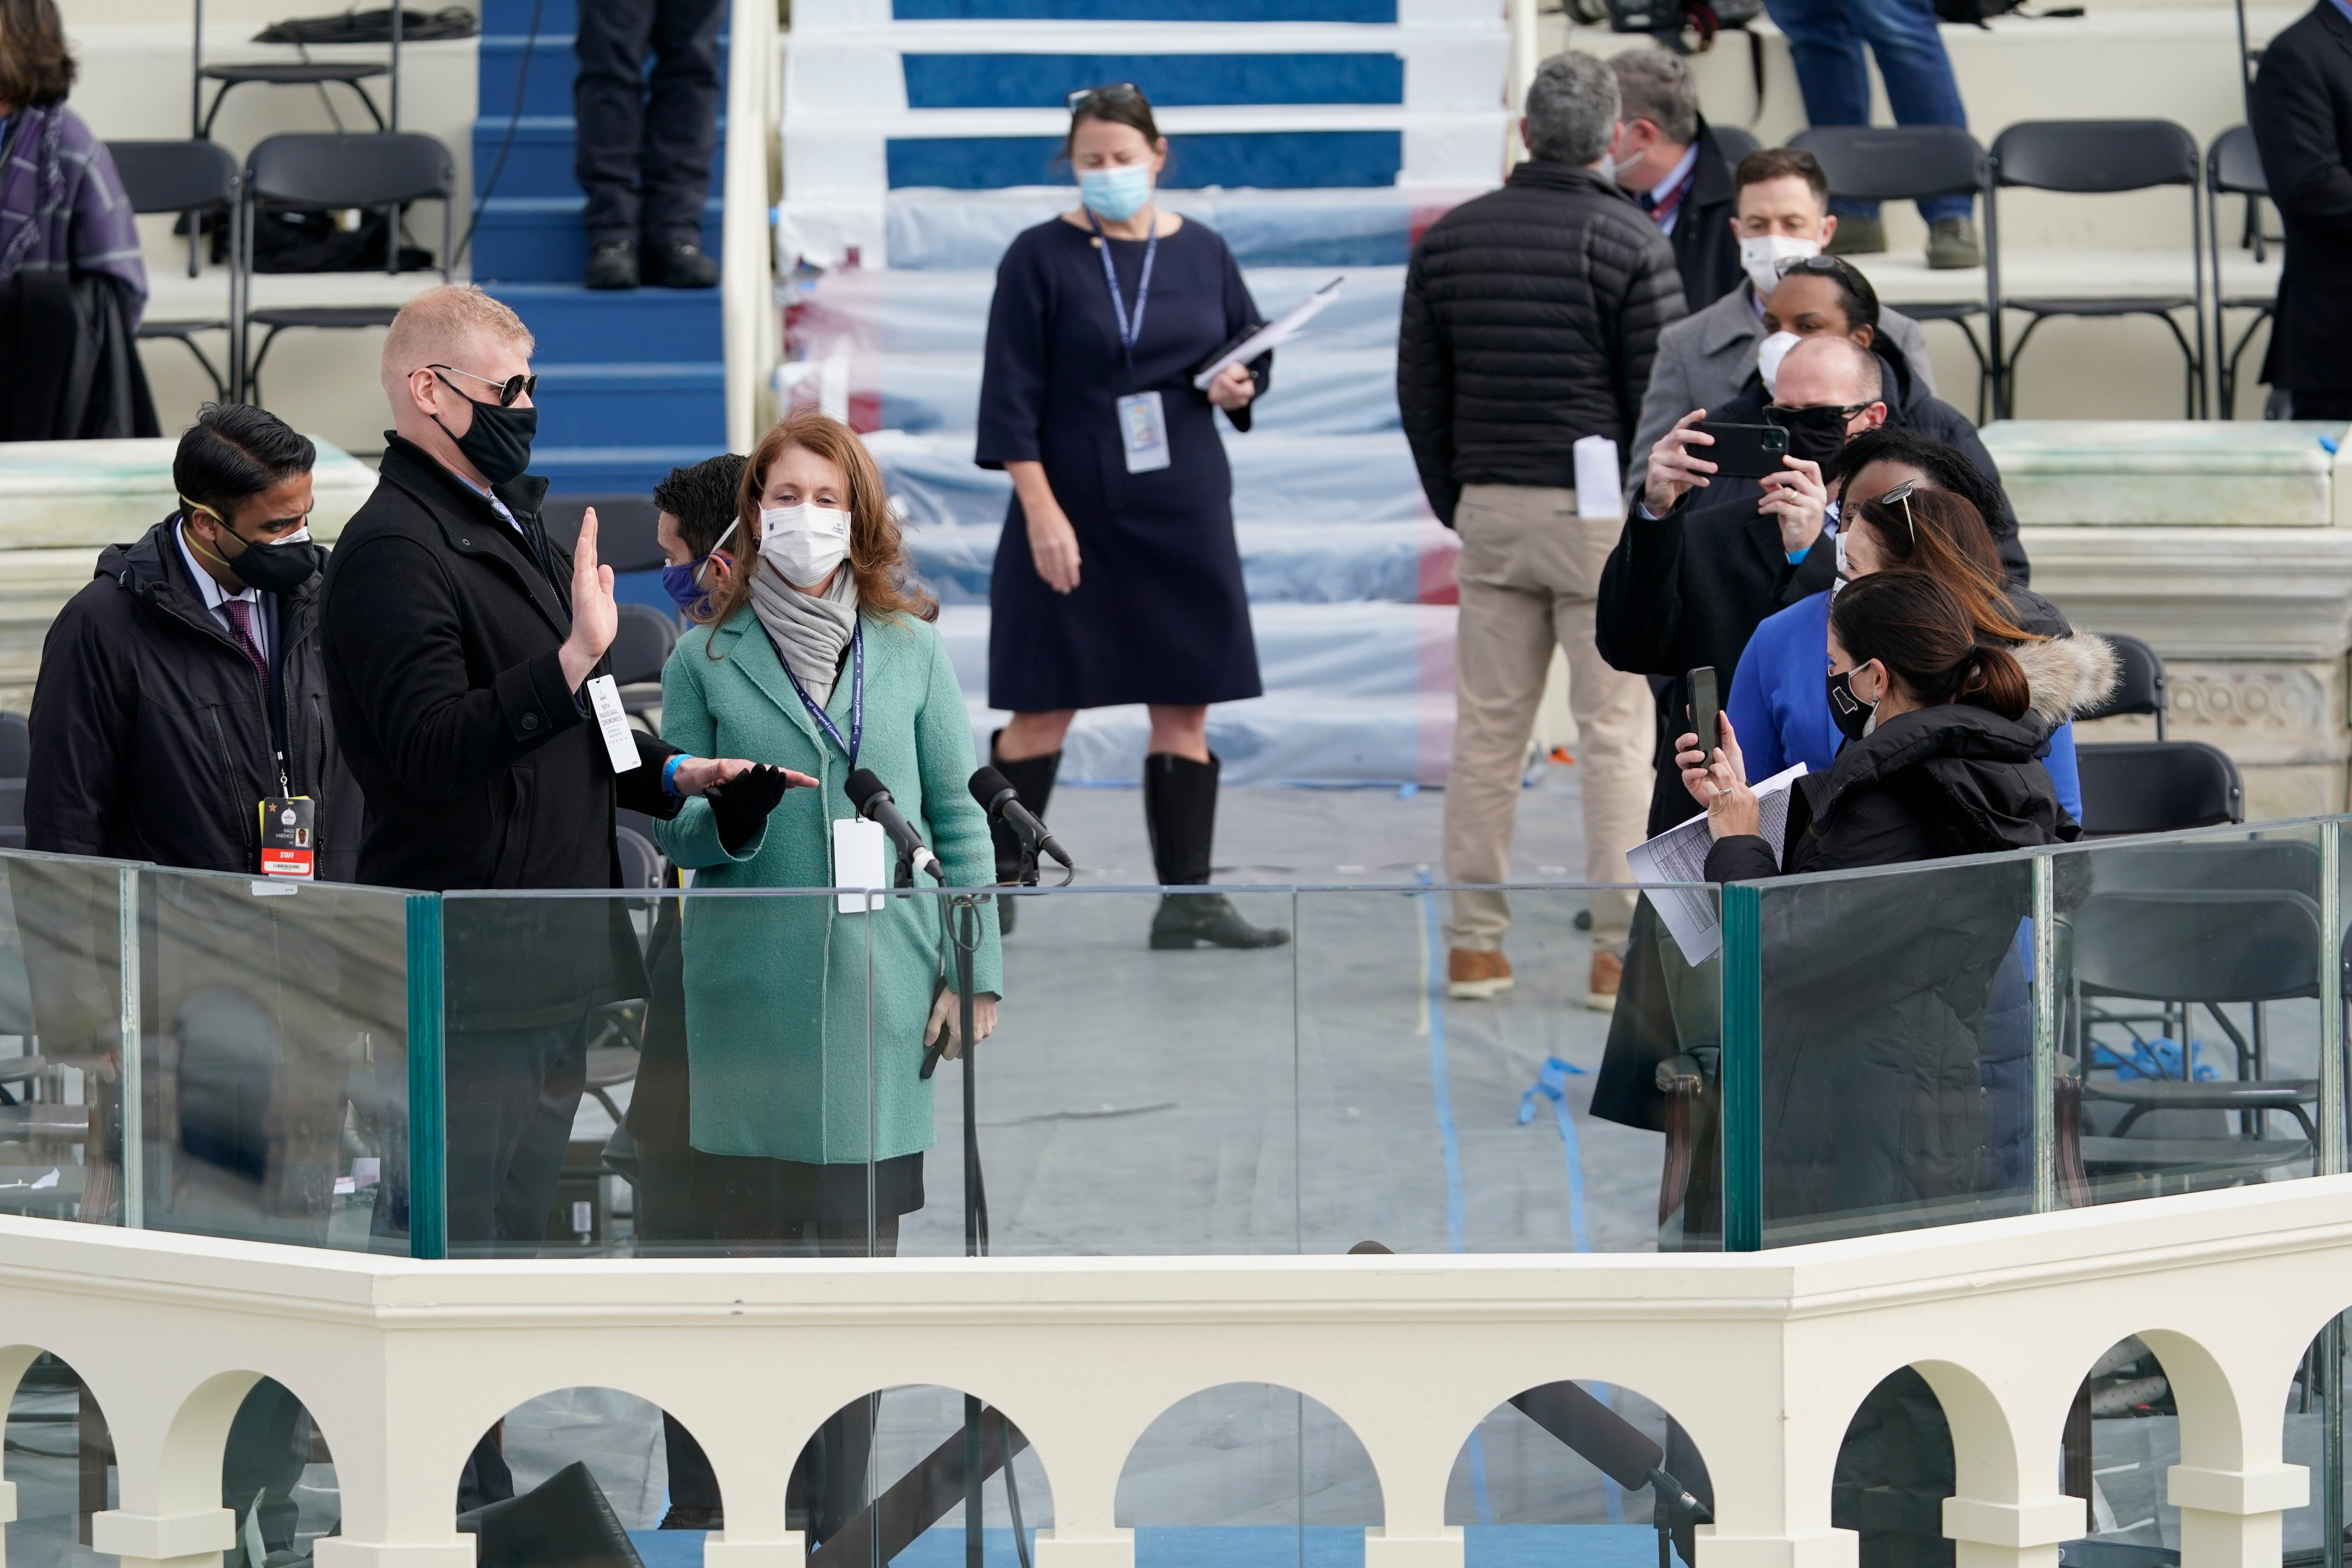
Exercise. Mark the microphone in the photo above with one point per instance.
(1002, 803)
(872, 801)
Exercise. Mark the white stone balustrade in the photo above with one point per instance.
(1762, 1357)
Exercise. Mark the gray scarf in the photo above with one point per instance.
(809, 629)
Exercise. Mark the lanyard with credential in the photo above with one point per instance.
(856, 698)
(1128, 334)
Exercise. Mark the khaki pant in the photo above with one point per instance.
(1530, 570)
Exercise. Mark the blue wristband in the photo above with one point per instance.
(669, 774)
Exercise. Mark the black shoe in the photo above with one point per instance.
(612, 264)
(680, 264)
(1207, 919)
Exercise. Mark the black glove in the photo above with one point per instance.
(743, 803)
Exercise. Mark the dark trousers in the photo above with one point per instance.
(511, 1097)
(2332, 404)
(646, 145)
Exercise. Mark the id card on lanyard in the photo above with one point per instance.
(857, 846)
(1142, 420)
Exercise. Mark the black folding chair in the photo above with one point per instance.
(2139, 683)
(2157, 786)
(640, 648)
(1735, 143)
(196, 180)
(1909, 163)
(2094, 157)
(15, 762)
(2233, 167)
(305, 72)
(322, 171)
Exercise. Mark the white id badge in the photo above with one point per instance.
(859, 861)
(605, 698)
(1143, 431)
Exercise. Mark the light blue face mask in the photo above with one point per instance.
(1118, 192)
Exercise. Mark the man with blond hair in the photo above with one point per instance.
(460, 643)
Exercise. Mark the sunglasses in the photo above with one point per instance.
(510, 389)
(1900, 496)
(1828, 265)
(1117, 92)
(1819, 416)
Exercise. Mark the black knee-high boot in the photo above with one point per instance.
(1032, 779)
(1180, 812)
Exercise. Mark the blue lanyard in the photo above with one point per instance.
(856, 697)
(1129, 336)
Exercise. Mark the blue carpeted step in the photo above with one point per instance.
(513, 17)
(1364, 11)
(577, 325)
(1043, 82)
(1300, 159)
(538, 239)
(539, 160)
(648, 405)
(615, 471)
(547, 89)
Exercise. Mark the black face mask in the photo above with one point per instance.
(1850, 713)
(498, 442)
(272, 568)
(1814, 433)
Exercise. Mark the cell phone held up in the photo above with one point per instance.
(1705, 705)
(1743, 451)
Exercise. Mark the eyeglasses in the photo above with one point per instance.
(1900, 496)
(510, 389)
(1817, 413)
(1117, 92)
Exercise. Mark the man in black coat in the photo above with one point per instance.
(2302, 114)
(1666, 153)
(460, 643)
(179, 691)
(1531, 318)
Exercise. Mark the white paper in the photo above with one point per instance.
(605, 698)
(1274, 334)
(859, 861)
(1600, 479)
(1679, 855)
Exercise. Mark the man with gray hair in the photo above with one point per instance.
(1671, 158)
(1530, 317)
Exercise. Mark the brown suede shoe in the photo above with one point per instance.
(1608, 971)
(1475, 976)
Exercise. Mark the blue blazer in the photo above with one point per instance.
(1779, 707)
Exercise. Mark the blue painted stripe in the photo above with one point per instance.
(1046, 81)
(1373, 11)
(1289, 160)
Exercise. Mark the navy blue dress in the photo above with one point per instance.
(1160, 613)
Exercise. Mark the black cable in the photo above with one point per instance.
(506, 144)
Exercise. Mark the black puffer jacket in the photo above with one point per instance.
(1530, 317)
(150, 740)
(1874, 991)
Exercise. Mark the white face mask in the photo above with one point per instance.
(803, 543)
(1769, 355)
(1761, 254)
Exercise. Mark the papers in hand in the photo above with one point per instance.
(1679, 855)
(1273, 335)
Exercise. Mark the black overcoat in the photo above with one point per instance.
(2301, 111)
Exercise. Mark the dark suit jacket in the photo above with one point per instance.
(2302, 116)
(1706, 253)
(479, 769)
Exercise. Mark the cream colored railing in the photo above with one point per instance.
(1762, 1357)
(747, 304)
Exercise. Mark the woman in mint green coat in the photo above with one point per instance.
(778, 1014)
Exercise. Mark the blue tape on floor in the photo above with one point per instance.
(1379, 12)
(1046, 81)
(1440, 1082)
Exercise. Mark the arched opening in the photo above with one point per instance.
(1896, 1465)
(587, 1471)
(1578, 1472)
(893, 1472)
(61, 1456)
(278, 1477)
(1250, 1474)
(2122, 1435)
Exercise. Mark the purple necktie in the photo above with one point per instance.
(240, 626)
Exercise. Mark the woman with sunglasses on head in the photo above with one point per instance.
(1776, 695)
(1118, 579)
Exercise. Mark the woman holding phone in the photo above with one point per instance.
(1118, 579)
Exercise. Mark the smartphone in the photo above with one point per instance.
(1704, 706)
(1743, 451)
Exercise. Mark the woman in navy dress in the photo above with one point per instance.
(1118, 579)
